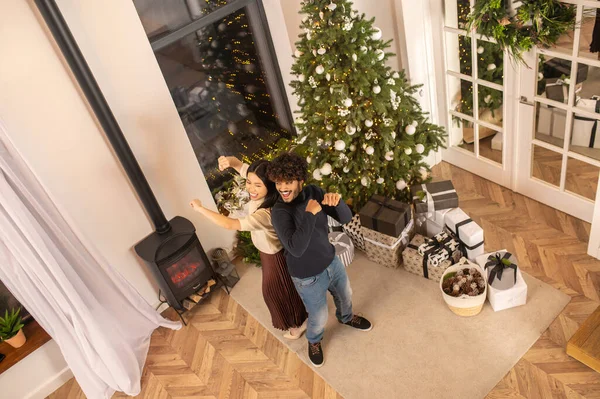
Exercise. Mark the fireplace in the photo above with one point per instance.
(177, 261)
(172, 252)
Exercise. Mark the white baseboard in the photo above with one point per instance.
(52, 384)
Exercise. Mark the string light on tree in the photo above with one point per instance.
(351, 100)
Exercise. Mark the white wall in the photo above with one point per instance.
(52, 127)
(382, 10)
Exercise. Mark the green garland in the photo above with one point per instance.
(535, 23)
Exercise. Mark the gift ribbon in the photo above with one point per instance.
(403, 238)
(495, 261)
(436, 245)
(385, 204)
(463, 246)
(431, 198)
(337, 241)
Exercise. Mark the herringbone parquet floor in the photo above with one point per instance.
(225, 353)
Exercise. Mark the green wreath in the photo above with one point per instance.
(534, 23)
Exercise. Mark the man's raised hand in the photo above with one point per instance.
(331, 199)
(313, 207)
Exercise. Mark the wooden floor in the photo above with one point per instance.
(222, 353)
(225, 353)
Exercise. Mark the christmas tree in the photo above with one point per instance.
(361, 128)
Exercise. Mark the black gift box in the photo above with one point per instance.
(557, 67)
(385, 215)
(443, 194)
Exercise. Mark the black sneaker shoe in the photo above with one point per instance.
(360, 323)
(315, 354)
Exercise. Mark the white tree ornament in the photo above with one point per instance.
(340, 145)
(319, 69)
(410, 130)
(400, 184)
(377, 34)
(317, 175)
(326, 169)
(420, 148)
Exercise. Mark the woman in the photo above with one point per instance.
(280, 295)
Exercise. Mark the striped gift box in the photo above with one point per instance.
(344, 249)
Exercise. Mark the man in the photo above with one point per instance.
(300, 220)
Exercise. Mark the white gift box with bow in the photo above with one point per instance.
(501, 299)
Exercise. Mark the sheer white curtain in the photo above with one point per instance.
(99, 321)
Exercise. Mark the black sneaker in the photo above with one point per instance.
(315, 354)
(360, 323)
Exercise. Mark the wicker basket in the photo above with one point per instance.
(464, 305)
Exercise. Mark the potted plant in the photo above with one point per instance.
(11, 328)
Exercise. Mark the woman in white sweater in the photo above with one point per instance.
(280, 295)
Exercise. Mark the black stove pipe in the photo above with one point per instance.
(70, 50)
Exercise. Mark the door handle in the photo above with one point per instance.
(525, 101)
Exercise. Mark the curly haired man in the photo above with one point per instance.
(300, 220)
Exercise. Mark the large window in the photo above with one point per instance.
(218, 62)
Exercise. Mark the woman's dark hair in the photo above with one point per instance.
(288, 167)
(260, 168)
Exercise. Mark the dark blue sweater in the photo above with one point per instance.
(304, 235)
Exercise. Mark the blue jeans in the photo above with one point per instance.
(313, 291)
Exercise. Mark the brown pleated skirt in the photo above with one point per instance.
(282, 299)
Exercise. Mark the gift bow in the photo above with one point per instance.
(337, 241)
(433, 245)
(497, 262)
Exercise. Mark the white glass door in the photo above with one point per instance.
(480, 102)
(558, 149)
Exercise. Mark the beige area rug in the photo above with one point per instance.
(418, 348)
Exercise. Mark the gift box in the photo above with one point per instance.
(385, 215)
(429, 225)
(353, 230)
(344, 249)
(559, 123)
(506, 287)
(468, 233)
(585, 132)
(544, 121)
(585, 129)
(557, 91)
(431, 197)
(430, 257)
(558, 67)
(387, 250)
(497, 142)
(333, 225)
